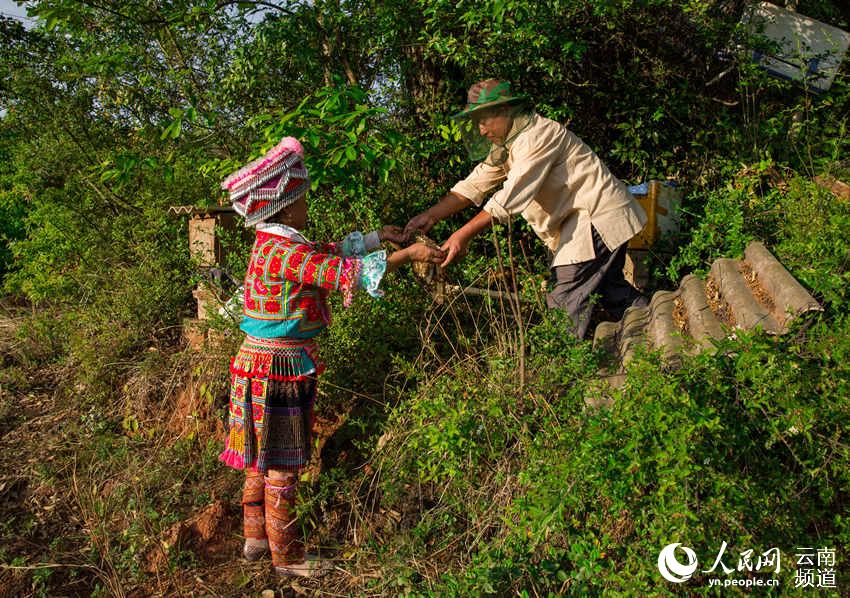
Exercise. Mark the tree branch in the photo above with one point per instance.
(227, 3)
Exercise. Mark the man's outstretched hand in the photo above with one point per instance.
(455, 247)
(421, 222)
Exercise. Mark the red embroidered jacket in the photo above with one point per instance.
(287, 285)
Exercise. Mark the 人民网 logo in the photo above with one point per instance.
(670, 567)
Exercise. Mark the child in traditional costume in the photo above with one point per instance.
(274, 374)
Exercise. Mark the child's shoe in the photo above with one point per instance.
(311, 566)
(255, 548)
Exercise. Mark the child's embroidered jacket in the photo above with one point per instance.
(285, 296)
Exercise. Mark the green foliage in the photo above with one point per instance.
(504, 484)
(12, 205)
(746, 446)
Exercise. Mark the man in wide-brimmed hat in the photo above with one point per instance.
(582, 212)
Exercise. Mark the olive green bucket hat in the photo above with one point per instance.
(487, 98)
(487, 94)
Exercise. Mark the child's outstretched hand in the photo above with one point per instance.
(420, 252)
(393, 234)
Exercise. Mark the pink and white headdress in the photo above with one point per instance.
(263, 187)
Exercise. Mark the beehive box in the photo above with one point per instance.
(661, 203)
(206, 226)
(804, 50)
(204, 243)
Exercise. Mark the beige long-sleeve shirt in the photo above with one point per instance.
(561, 187)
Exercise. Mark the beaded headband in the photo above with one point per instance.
(263, 187)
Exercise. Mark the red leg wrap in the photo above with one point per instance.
(254, 522)
(282, 527)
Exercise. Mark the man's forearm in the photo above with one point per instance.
(457, 245)
(451, 203)
(481, 221)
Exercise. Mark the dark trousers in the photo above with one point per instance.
(575, 283)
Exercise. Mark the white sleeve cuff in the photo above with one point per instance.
(467, 191)
(495, 210)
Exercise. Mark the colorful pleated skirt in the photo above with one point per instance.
(272, 393)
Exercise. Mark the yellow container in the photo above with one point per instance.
(661, 203)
